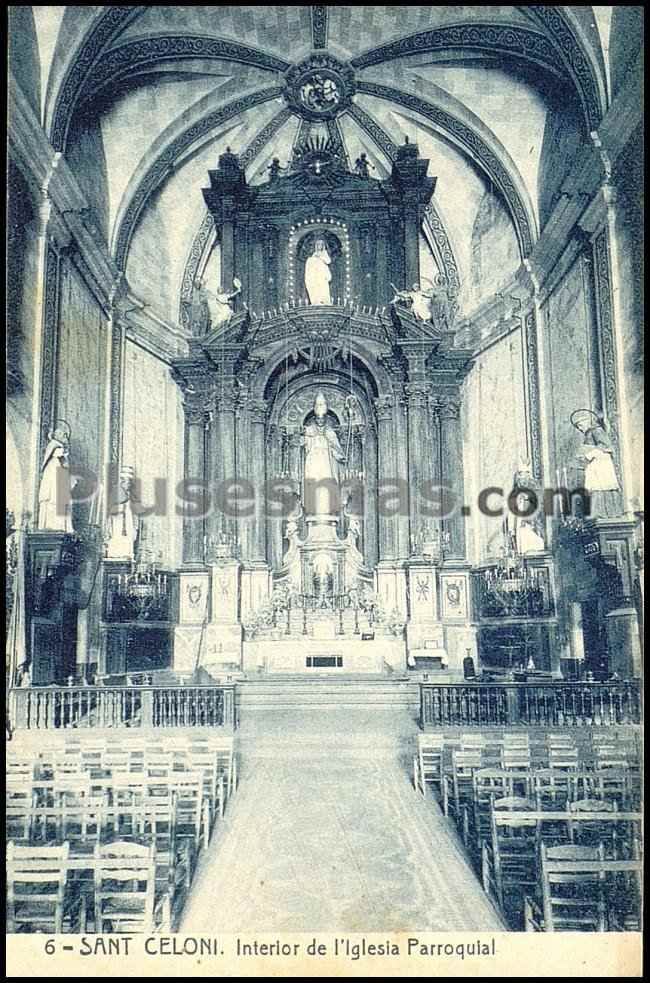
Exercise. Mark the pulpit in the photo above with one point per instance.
(51, 593)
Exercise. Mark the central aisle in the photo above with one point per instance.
(325, 833)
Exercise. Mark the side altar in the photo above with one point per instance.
(322, 414)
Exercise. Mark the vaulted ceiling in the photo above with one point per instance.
(142, 99)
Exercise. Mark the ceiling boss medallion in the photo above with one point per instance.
(320, 87)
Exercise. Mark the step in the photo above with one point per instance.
(326, 691)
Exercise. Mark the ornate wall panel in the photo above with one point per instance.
(152, 407)
(81, 368)
(494, 431)
(572, 379)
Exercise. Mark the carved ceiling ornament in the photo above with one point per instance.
(320, 87)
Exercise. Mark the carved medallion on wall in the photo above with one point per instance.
(320, 87)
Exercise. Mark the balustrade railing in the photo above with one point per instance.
(554, 704)
(122, 706)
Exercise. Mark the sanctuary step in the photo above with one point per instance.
(295, 691)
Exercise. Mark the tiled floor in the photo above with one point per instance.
(326, 833)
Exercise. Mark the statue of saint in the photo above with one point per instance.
(318, 275)
(219, 304)
(323, 458)
(444, 306)
(54, 492)
(601, 481)
(122, 530)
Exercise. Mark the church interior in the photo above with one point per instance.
(324, 482)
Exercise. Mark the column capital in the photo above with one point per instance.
(448, 408)
(384, 408)
(226, 399)
(196, 412)
(417, 394)
(257, 409)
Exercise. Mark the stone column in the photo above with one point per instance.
(370, 545)
(401, 472)
(274, 524)
(256, 287)
(421, 453)
(45, 312)
(194, 518)
(451, 458)
(383, 261)
(386, 469)
(411, 244)
(257, 544)
(227, 242)
(242, 254)
(225, 459)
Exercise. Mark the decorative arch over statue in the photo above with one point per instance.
(303, 237)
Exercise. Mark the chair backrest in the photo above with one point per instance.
(509, 813)
(125, 874)
(491, 781)
(572, 894)
(430, 752)
(465, 761)
(515, 757)
(611, 757)
(563, 757)
(36, 878)
(19, 768)
(592, 805)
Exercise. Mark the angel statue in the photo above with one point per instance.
(418, 299)
(219, 304)
(54, 492)
(601, 481)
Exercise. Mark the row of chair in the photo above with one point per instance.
(513, 801)
(44, 893)
(533, 873)
(95, 793)
(438, 755)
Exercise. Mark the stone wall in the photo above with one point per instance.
(494, 436)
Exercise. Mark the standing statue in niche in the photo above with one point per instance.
(54, 492)
(524, 523)
(318, 275)
(597, 452)
(323, 459)
(123, 523)
(219, 304)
